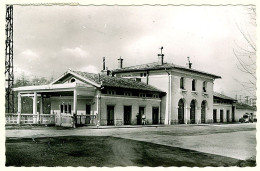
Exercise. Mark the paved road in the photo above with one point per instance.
(233, 140)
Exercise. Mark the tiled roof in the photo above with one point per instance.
(245, 106)
(156, 66)
(109, 81)
(223, 96)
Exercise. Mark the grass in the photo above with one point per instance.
(108, 151)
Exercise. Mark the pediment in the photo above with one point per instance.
(70, 78)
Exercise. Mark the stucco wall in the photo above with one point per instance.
(160, 80)
(225, 108)
(117, 102)
(120, 102)
(81, 104)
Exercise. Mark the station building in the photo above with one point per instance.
(165, 93)
(97, 98)
(189, 92)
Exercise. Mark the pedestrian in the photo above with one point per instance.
(143, 119)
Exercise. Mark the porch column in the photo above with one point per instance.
(35, 106)
(98, 116)
(75, 107)
(19, 109)
(41, 105)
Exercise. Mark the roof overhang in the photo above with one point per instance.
(54, 88)
(164, 68)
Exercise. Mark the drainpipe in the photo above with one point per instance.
(169, 99)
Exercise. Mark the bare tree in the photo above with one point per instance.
(246, 55)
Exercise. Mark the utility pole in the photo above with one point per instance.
(9, 74)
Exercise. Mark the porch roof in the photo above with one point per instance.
(52, 87)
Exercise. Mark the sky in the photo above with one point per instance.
(48, 40)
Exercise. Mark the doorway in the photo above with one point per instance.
(203, 112)
(139, 115)
(221, 115)
(228, 116)
(110, 115)
(127, 115)
(215, 116)
(192, 112)
(155, 115)
(181, 112)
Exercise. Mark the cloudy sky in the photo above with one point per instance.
(50, 39)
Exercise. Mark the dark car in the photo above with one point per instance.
(245, 119)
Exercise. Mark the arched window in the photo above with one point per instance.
(182, 83)
(204, 86)
(193, 85)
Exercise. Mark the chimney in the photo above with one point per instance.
(104, 63)
(120, 63)
(105, 70)
(189, 64)
(160, 57)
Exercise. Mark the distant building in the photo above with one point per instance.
(224, 109)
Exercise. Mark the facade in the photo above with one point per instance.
(101, 99)
(224, 109)
(189, 92)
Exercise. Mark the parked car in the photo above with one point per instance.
(246, 119)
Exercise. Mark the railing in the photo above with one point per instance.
(14, 118)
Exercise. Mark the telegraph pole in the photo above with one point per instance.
(9, 74)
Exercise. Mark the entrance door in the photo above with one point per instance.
(228, 116)
(214, 116)
(110, 115)
(181, 112)
(127, 115)
(155, 115)
(192, 112)
(88, 110)
(221, 115)
(139, 116)
(203, 112)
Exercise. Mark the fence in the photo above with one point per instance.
(14, 118)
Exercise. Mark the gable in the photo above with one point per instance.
(70, 77)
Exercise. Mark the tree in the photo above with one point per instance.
(246, 55)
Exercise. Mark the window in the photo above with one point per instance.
(65, 108)
(143, 74)
(61, 108)
(127, 93)
(204, 86)
(72, 80)
(88, 109)
(182, 83)
(111, 92)
(193, 85)
(142, 95)
(69, 106)
(155, 96)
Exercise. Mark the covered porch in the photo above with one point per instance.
(68, 104)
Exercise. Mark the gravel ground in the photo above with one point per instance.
(231, 140)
